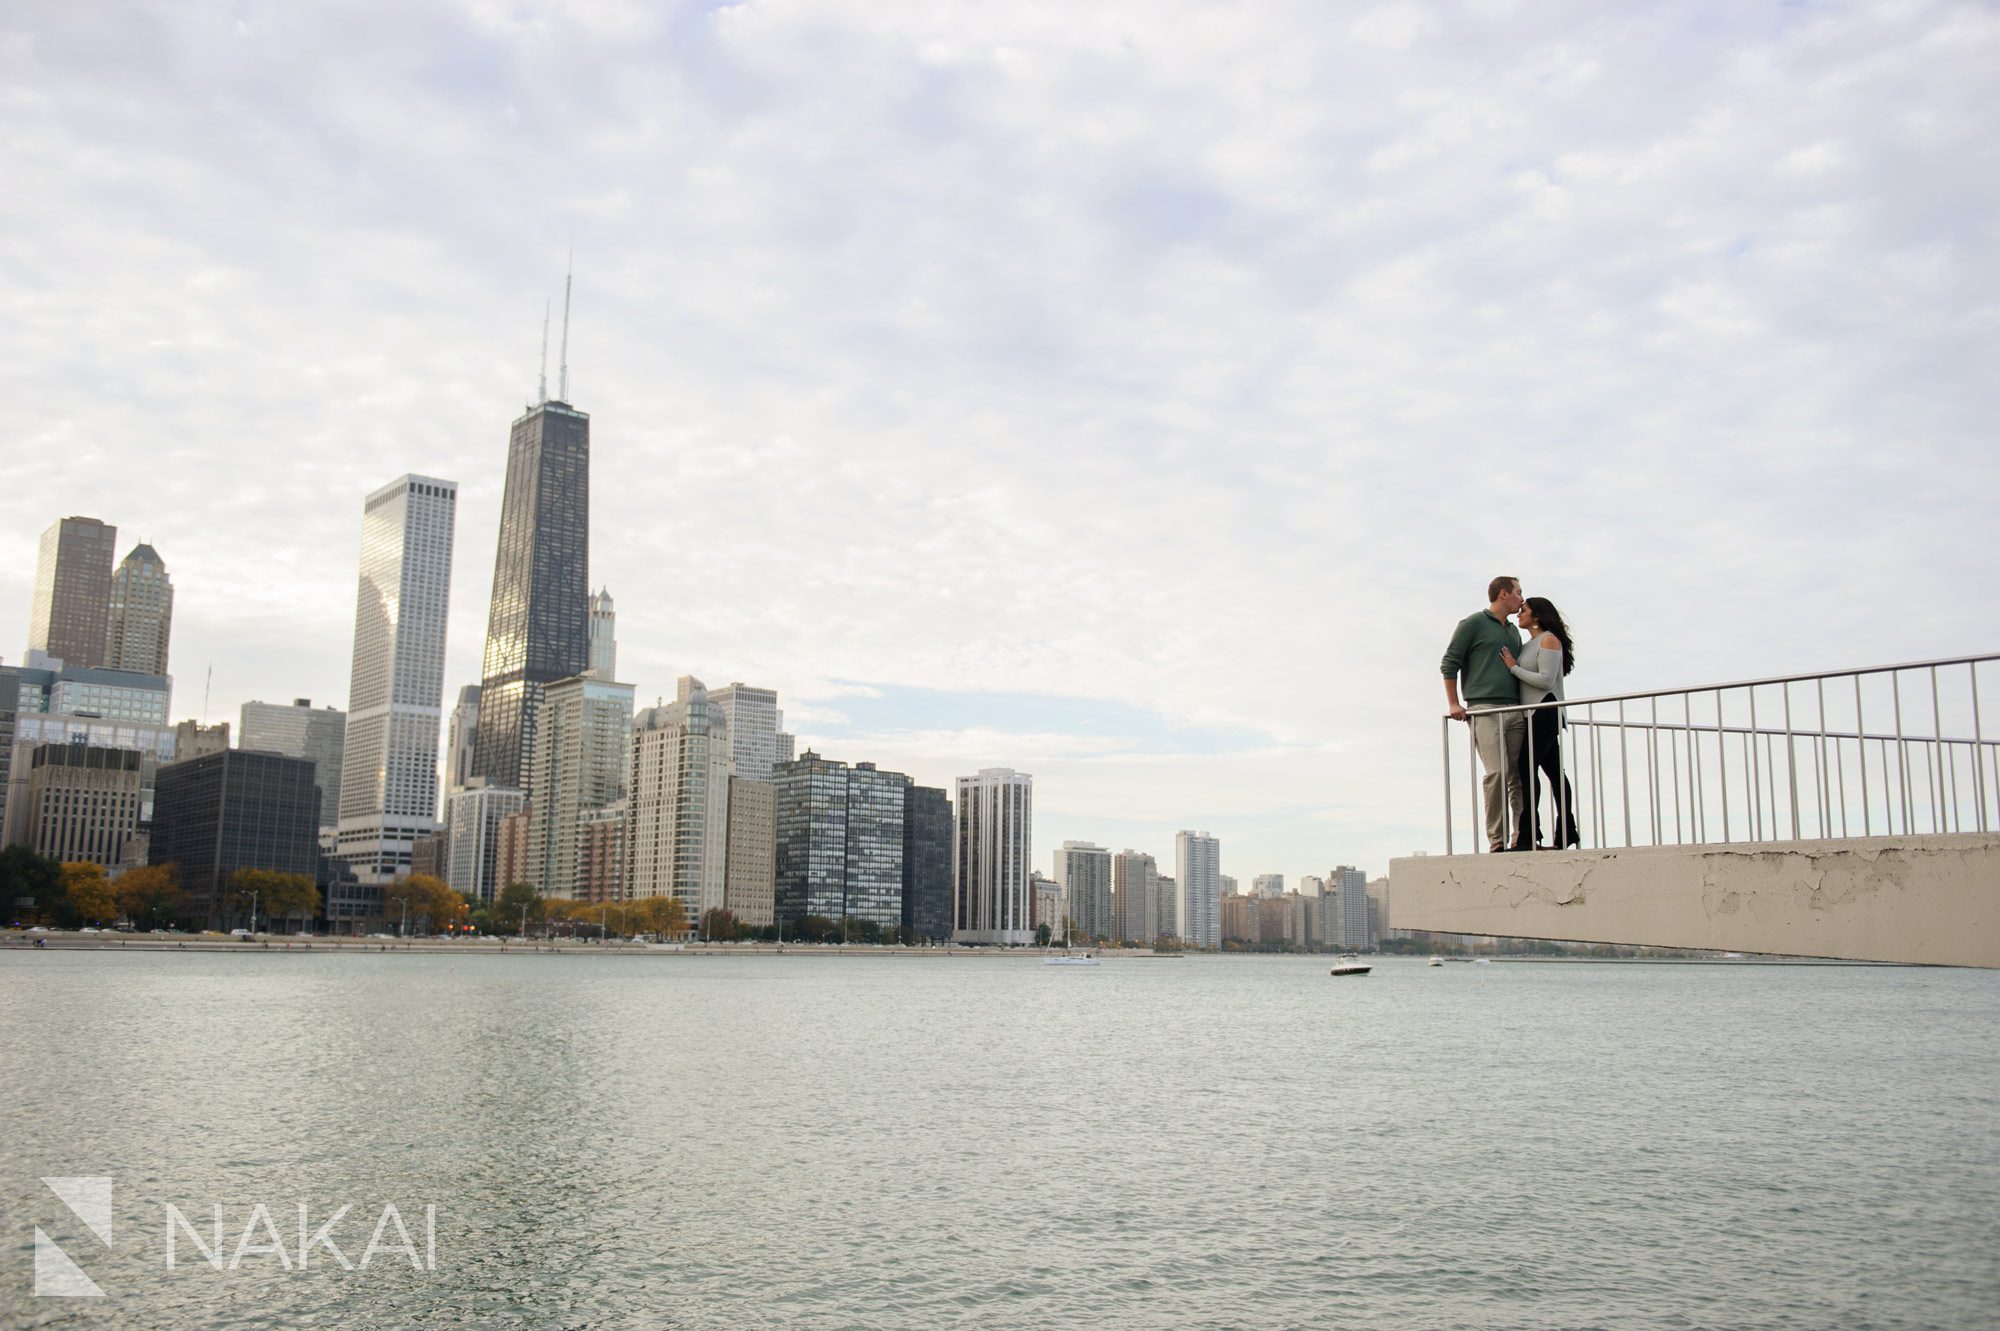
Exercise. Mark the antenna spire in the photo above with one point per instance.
(562, 380)
(542, 392)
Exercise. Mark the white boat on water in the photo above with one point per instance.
(1350, 965)
(1085, 960)
(1436, 961)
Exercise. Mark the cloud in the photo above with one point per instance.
(1195, 360)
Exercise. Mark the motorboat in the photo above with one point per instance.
(1436, 961)
(1350, 966)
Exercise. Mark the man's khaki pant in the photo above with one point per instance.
(1499, 739)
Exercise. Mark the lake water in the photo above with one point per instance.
(826, 1141)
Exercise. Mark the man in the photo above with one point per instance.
(1475, 653)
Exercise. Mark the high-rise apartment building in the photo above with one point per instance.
(237, 809)
(537, 628)
(600, 871)
(140, 617)
(1166, 893)
(582, 751)
(1311, 885)
(472, 819)
(751, 878)
(927, 863)
(1198, 867)
(73, 591)
(1084, 870)
(82, 801)
(603, 635)
(756, 729)
(677, 837)
(1350, 890)
(1135, 879)
(1268, 885)
(301, 731)
(1047, 895)
(991, 861)
(395, 695)
(840, 841)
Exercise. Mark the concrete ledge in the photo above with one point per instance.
(1928, 900)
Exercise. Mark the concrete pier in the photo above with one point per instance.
(1929, 900)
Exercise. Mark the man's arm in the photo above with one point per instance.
(1453, 663)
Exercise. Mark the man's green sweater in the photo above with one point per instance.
(1475, 654)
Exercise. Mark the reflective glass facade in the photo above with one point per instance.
(927, 863)
(538, 626)
(840, 841)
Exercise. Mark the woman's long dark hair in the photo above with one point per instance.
(1551, 621)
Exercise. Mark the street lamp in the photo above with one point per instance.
(253, 910)
(403, 929)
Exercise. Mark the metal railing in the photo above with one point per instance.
(1880, 751)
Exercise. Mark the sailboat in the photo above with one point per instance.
(1067, 958)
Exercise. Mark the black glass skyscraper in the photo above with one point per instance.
(538, 629)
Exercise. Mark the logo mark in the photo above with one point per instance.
(57, 1276)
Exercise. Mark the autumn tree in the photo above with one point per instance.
(151, 897)
(88, 898)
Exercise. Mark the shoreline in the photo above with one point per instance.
(323, 944)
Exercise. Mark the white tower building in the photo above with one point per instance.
(757, 740)
(582, 752)
(677, 841)
(388, 778)
(990, 894)
(1198, 867)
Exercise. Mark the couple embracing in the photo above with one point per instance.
(1501, 669)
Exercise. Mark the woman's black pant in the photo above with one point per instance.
(1544, 743)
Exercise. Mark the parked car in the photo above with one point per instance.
(241, 933)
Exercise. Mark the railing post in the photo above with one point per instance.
(1791, 764)
(1447, 783)
(1861, 747)
(1978, 748)
(1902, 758)
(1756, 773)
(1722, 764)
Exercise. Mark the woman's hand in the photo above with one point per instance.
(1507, 658)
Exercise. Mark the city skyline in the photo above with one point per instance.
(1703, 318)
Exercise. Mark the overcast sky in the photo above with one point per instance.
(1131, 394)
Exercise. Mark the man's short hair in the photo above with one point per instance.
(1500, 585)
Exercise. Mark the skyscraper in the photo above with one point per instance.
(1135, 878)
(302, 731)
(388, 778)
(236, 809)
(603, 636)
(1350, 889)
(140, 617)
(757, 741)
(678, 829)
(73, 591)
(472, 857)
(1198, 866)
(1084, 870)
(538, 626)
(840, 841)
(994, 843)
(927, 863)
(582, 751)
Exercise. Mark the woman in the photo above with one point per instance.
(1545, 658)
